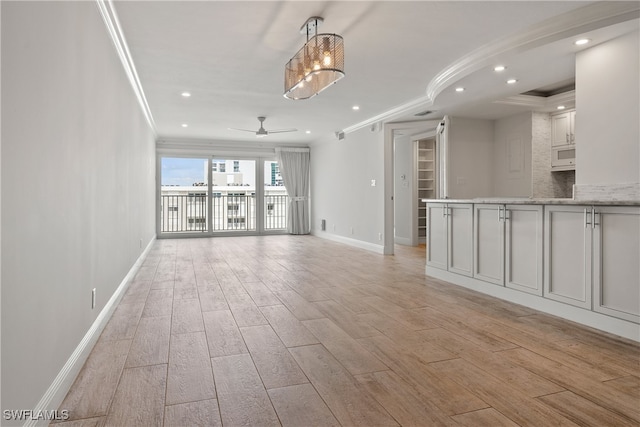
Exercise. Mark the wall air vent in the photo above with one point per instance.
(423, 113)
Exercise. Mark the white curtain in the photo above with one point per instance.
(294, 168)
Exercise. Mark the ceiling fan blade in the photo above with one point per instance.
(243, 130)
(283, 130)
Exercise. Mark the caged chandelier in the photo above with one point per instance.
(318, 65)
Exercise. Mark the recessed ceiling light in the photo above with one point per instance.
(560, 107)
(459, 89)
(308, 131)
(355, 107)
(581, 42)
(184, 125)
(511, 81)
(186, 94)
(499, 68)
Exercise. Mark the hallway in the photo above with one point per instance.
(301, 331)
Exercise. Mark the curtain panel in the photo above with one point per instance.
(294, 168)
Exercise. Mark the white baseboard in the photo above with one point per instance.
(406, 241)
(379, 249)
(589, 318)
(58, 390)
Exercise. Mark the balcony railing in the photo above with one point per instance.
(189, 213)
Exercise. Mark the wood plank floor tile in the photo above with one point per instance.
(139, 398)
(298, 306)
(150, 345)
(248, 315)
(402, 401)
(578, 382)
(629, 385)
(300, 405)
(242, 397)
(185, 291)
(187, 316)
(507, 400)
(212, 299)
(274, 363)
(261, 295)
(483, 418)
(345, 349)
(349, 404)
(190, 377)
(441, 390)
(92, 391)
(202, 413)
(123, 322)
(348, 321)
(414, 341)
(86, 422)
(288, 328)
(584, 412)
(223, 335)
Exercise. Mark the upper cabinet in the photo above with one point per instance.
(563, 140)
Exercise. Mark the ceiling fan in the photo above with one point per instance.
(261, 132)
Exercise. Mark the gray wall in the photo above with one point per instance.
(78, 174)
(471, 158)
(341, 191)
(404, 191)
(512, 156)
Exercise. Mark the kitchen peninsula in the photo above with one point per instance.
(576, 259)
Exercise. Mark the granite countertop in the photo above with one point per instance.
(532, 201)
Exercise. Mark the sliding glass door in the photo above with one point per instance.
(221, 195)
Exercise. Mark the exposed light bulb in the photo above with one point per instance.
(327, 60)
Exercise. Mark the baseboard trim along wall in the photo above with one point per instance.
(379, 249)
(57, 391)
(579, 315)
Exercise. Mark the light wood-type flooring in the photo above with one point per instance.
(301, 331)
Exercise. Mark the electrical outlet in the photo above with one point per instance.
(373, 182)
(93, 298)
(351, 230)
(379, 236)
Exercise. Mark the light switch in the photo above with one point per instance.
(373, 182)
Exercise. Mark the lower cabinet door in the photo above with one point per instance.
(523, 248)
(488, 243)
(437, 235)
(460, 233)
(567, 263)
(616, 262)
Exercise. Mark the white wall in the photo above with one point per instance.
(512, 156)
(470, 158)
(78, 174)
(607, 112)
(341, 191)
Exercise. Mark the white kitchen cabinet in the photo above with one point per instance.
(508, 246)
(567, 248)
(616, 261)
(563, 128)
(523, 248)
(450, 237)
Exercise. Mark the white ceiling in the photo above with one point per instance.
(400, 58)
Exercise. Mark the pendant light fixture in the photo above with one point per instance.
(317, 65)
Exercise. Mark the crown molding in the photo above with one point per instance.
(390, 114)
(569, 24)
(110, 18)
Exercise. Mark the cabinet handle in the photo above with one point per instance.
(586, 222)
(568, 139)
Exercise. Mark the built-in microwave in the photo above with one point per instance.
(563, 157)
